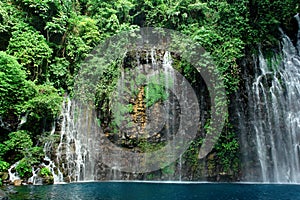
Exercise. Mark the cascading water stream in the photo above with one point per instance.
(170, 105)
(57, 174)
(180, 167)
(76, 153)
(274, 115)
(35, 179)
(13, 175)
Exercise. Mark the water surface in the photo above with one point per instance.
(157, 191)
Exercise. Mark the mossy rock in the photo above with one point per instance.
(4, 175)
(48, 180)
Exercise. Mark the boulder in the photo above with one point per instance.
(48, 180)
(4, 176)
(3, 195)
(17, 182)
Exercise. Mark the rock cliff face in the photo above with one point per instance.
(147, 105)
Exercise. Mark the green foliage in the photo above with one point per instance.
(173, 14)
(14, 89)
(31, 50)
(227, 149)
(45, 172)
(24, 168)
(112, 16)
(105, 89)
(84, 35)
(227, 62)
(266, 17)
(150, 177)
(4, 166)
(19, 146)
(57, 27)
(76, 50)
(38, 12)
(88, 31)
(42, 108)
(192, 153)
(45, 104)
(35, 155)
(59, 74)
(154, 93)
(168, 170)
(224, 28)
(120, 111)
(146, 146)
(3, 150)
(19, 141)
(5, 25)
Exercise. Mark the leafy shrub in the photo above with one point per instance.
(3, 166)
(14, 89)
(154, 93)
(146, 146)
(45, 104)
(24, 168)
(227, 150)
(31, 50)
(168, 170)
(3, 150)
(36, 154)
(17, 145)
(45, 172)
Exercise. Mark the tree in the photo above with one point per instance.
(14, 88)
(31, 50)
(42, 109)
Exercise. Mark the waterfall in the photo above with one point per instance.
(57, 174)
(13, 174)
(274, 115)
(170, 108)
(23, 120)
(180, 167)
(75, 153)
(35, 179)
